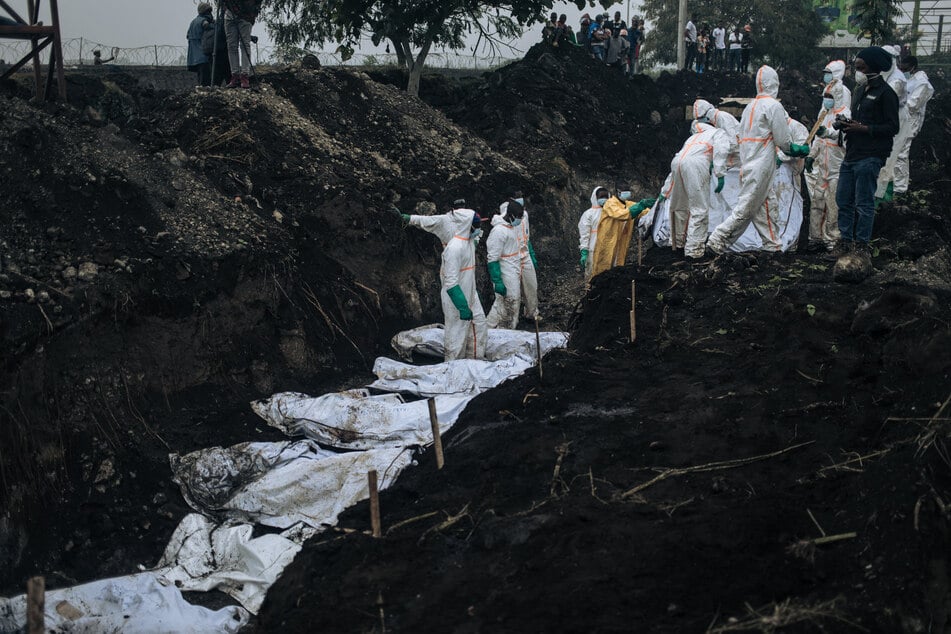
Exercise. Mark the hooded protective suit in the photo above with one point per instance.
(689, 191)
(837, 68)
(526, 256)
(896, 79)
(588, 231)
(502, 247)
(827, 153)
(463, 338)
(703, 109)
(918, 92)
(763, 128)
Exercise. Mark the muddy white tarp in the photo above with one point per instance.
(203, 555)
(356, 420)
(280, 484)
(132, 604)
(462, 376)
(789, 198)
(500, 344)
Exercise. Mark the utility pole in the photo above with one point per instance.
(915, 17)
(681, 45)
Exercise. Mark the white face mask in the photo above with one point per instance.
(862, 79)
(520, 201)
(624, 195)
(828, 103)
(516, 222)
(601, 201)
(827, 77)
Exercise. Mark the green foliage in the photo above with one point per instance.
(412, 27)
(786, 32)
(876, 18)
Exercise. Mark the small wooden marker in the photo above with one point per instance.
(374, 504)
(633, 322)
(35, 605)
(437, 439)
(538, 350)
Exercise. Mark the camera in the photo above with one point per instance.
(841, 121)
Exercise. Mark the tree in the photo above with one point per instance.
(786, 32)
(412, 27)
(876, 18)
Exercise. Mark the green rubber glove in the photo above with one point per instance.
(531, 254)
(779, 162)
(459, 301)
(720, 181)
(821, 131)
(660, 199)
(495, 274)
(640, 206)
(798, 150)
(809, 162)
(584, 257)
(396, 212)
(711, 167)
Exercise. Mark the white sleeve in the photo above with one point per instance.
(779, 127)
(918, 98)
(721, 150)
(494, 244)
(584, 231)
(450, 266)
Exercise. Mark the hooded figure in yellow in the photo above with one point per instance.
(618, 218)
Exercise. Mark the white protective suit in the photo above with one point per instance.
(896, 79)
(502, 247)
(786, 191)
(529, 280)
(918, 92)
(463, 338)
(827, 153)
(588, 231)
(719, 119)
(837, 68)
(689, 190)
(763, 129)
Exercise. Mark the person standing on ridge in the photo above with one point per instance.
(239, 18)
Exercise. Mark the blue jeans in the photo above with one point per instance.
(855, 198)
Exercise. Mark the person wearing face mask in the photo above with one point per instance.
(763, 129)
(834, 73)
(619, 215)
(884, 189)
(505, 266)
(527, 259)
(918, 92)
(822, 170)
(869, 138)
(464, 320)
(588, 229)
(703, 155)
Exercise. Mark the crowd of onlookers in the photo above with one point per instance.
(610, 41)
(717, 48)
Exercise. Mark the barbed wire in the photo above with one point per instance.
(79, 52)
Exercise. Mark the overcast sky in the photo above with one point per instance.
(134, 23)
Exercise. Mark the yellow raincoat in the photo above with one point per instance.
(614, 235)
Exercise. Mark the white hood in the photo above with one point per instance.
(837, 68)
(594, 196)
(702, 108)
(767, 82)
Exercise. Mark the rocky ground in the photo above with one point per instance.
(165, 258)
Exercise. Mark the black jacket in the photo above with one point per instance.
(876, 105)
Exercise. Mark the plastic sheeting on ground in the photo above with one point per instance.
(132, 604)
(462, 376)
(283, 483)
(788, 194)
(356, 420)
(501, 344)
(202, 555)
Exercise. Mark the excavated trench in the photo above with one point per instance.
(167, 258)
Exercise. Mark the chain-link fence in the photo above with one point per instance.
(80, 51)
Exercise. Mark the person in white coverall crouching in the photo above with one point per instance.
(505, 265)
(465, 328)
(763, 128)
(703, 153)
(588, 229)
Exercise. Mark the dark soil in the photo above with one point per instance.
(242, 245)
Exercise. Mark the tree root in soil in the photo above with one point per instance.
(772, 617)
(711, 466)
(935, 435)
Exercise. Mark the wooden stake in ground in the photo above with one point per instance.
(35, 605)
(633, 321)
(538, 349)
(374, 504)
(437, 439)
